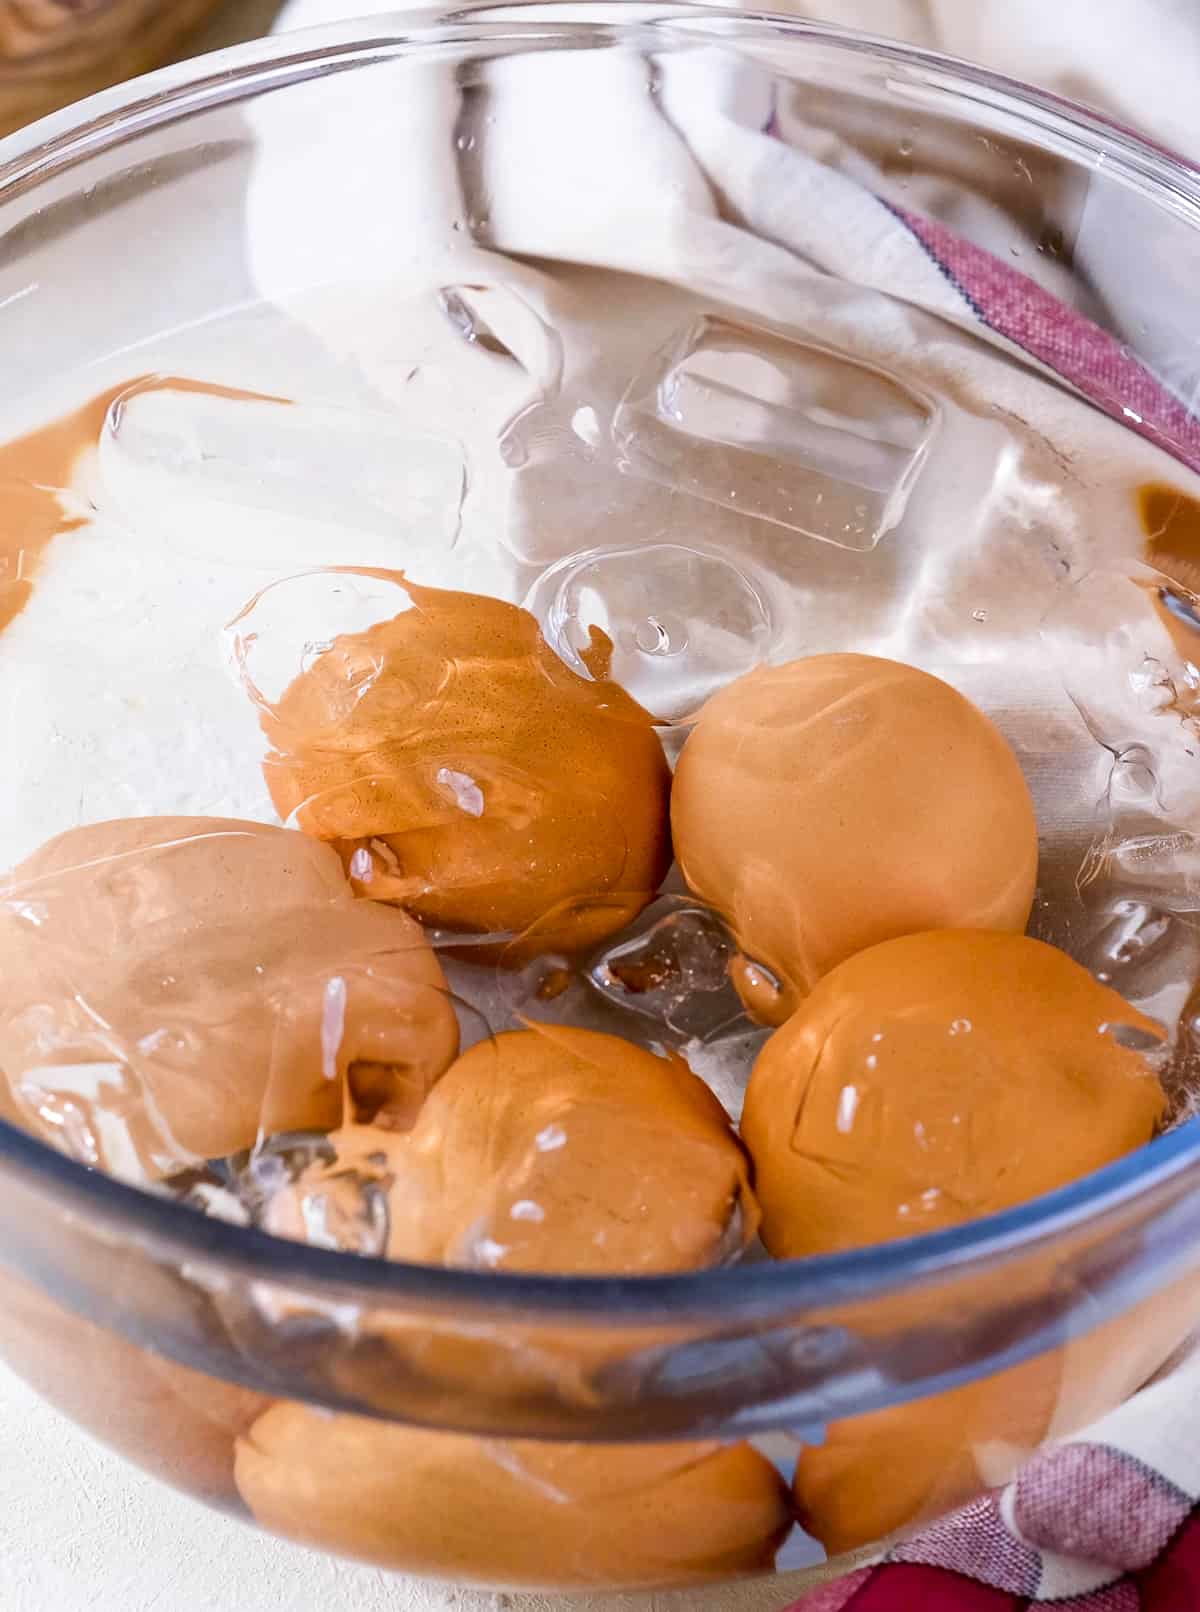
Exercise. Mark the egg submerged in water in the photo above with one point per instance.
(556, 1150)
(937, 1078)
(175, 985)
(923, 1083)
(510, 1511)
(838, 801)
(551, 1149)
(469, 775)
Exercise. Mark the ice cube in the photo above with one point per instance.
(347, 1212)
(291, 1184)
(682, 621)
(209, 1189)
(262, 484)
(1134, 694)
(673, 968)
(1162, 869)
(1131, 945)
(793, 433)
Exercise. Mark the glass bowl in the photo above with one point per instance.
(614, 310)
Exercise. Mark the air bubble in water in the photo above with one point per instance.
(655, 636)
(682, 622)
(1134, 931)
(1143, 950)
(495, 319)
(1120, 670)
(525, 350)
(462, 310)
(1133, 1037)
(287, 627)
(1132, 781)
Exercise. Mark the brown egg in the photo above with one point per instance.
(1171, 521)
(174, 983)
(924, 1082)
(936, 1078)
(467, 774)
(512, 1513)
(836, 802)
(879, 1474)
(176, 1423)
(895, 1469)
(548, 1149)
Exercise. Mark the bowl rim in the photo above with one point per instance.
(1155, 1175)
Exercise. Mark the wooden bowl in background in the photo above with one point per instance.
(55, 51)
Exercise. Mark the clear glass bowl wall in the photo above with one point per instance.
(505, 354)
